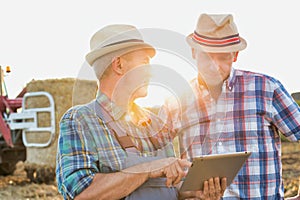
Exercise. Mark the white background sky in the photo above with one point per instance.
(49, 39)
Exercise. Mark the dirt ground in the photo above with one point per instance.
(291, 167)
(18, 187)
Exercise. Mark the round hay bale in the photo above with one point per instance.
(66, 93)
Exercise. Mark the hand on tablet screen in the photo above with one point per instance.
(213, 190)
(171, 168)
(175, 171)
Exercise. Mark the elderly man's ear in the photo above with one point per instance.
(235, 56)
(117, 66)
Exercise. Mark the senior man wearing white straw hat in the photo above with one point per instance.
(235, 110)
(111, 148)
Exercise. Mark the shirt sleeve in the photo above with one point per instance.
(76, 161)
(286, 113)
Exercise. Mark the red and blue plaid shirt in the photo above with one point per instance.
(246, 117)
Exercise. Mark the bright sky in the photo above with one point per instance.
(49, 39)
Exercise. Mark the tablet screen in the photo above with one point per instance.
(215, 165)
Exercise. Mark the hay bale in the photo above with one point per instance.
(66, 93)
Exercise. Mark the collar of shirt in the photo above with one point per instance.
(228, 83)
(114, 110)
(119, 113)
(231, 79)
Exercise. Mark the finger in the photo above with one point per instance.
(169, 176)
(169, 181)
(180, 174)
(211, 186)
(172, 173)
(217, 187)
(205, 193)
(174, 170)
(223, 184)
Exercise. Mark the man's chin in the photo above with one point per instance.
(143, 95)
(139, 94)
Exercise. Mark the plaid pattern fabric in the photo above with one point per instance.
(86, 145)
(247, 116)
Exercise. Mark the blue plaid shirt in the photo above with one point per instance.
(86, 145)
(249, 112)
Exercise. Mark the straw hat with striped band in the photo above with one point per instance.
(217, 34)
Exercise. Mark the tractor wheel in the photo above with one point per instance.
(10, 157)
(7, 168)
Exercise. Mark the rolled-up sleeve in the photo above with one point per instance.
(286, 113)
(76, 162)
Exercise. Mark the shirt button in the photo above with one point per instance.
(127, 118)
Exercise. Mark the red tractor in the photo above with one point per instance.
(15, 121)
(12, 148)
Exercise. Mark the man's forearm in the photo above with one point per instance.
(113, 185)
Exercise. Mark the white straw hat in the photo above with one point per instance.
(216, 33)
(115, 38)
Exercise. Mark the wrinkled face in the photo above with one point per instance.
(214, 68)
(137, 76)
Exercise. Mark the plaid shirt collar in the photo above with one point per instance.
(231, 80)
(114, 110)
(228, 83)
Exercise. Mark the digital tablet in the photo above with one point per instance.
(215, 165)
